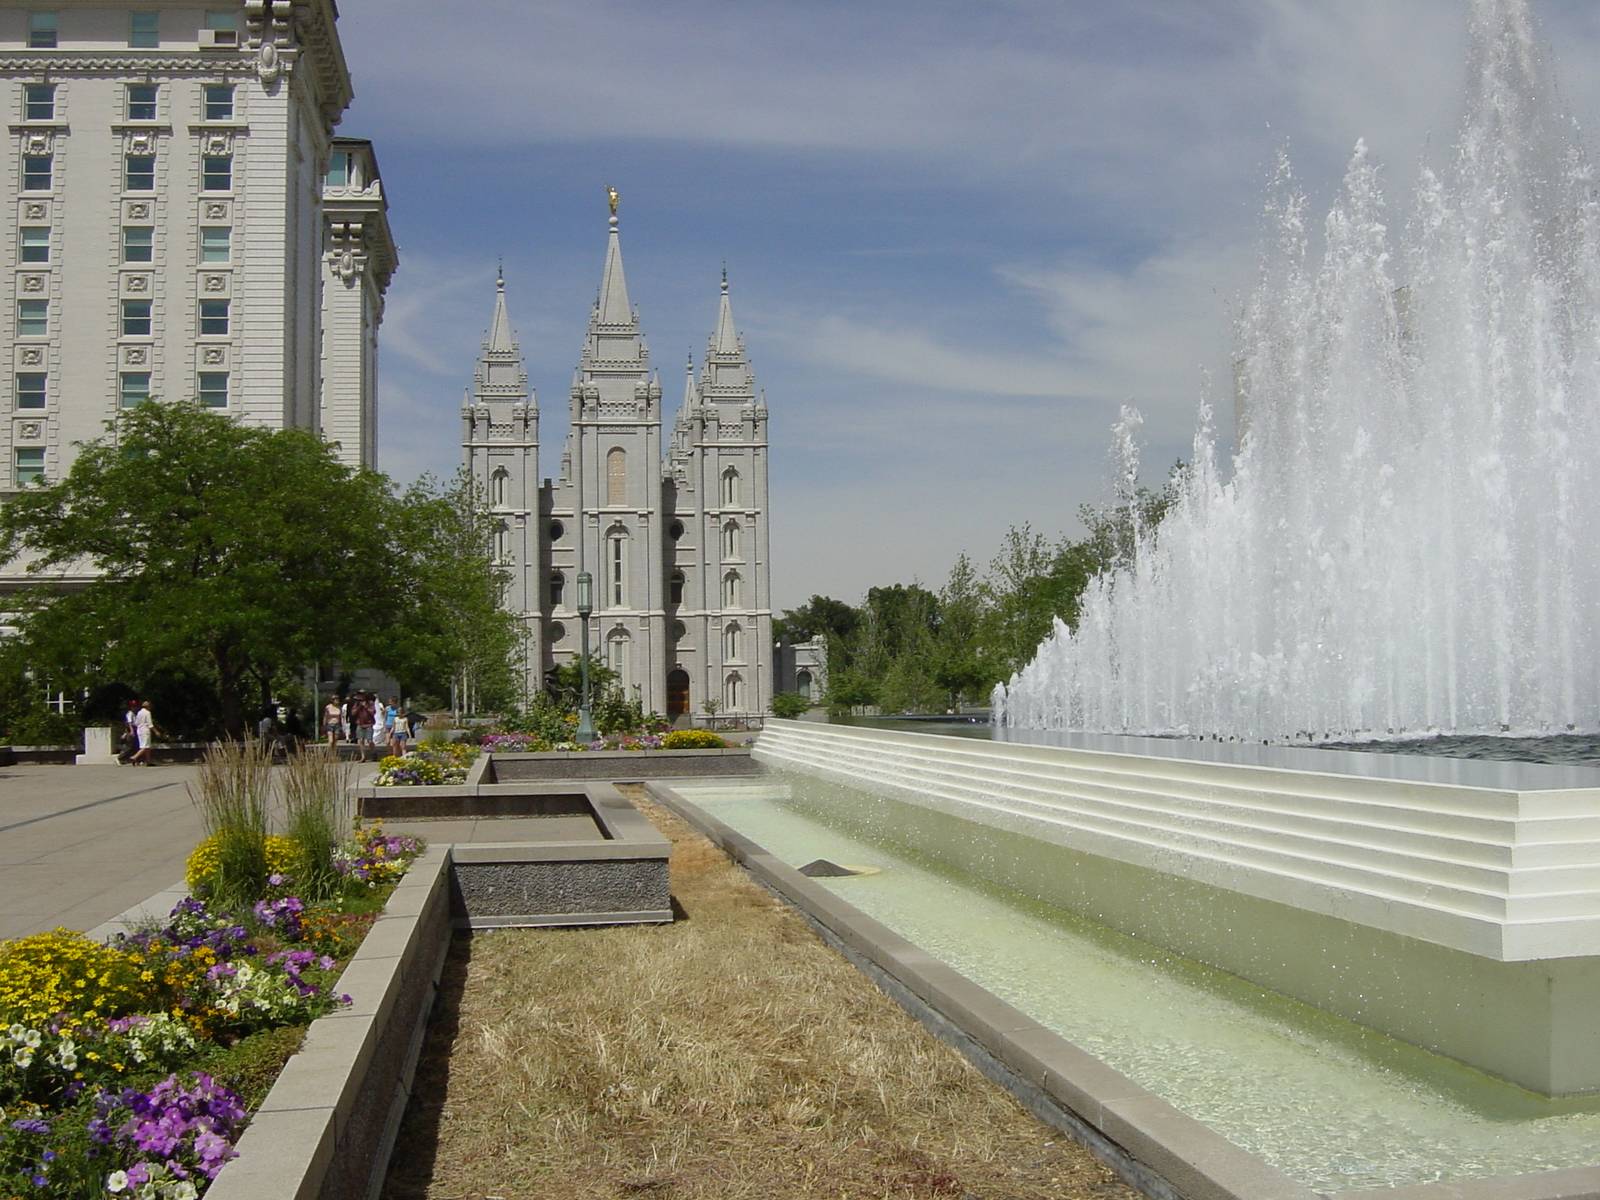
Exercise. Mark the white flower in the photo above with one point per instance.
(32, 1038)
(117, 1181)
(15, 1032)
(23, 1057)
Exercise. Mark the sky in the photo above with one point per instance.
(959, 236)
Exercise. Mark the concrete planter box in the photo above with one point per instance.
(615, 765)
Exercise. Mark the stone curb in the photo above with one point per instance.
(328, 1125)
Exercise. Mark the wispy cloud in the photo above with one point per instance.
(961, 234)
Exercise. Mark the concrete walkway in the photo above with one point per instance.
(80, 844)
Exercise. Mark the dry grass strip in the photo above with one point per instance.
(730, 1055)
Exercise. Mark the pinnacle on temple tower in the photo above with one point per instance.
(500, 335)
(727, 375)
(500, 374)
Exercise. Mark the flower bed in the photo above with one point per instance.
(430, 764)
(532, 743)
(128, 1069)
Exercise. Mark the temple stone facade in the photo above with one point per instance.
(670, 523)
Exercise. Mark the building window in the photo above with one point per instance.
(219, 101)
(30, 389)
(730, 646)
(730, 487)
(144, 30)
(41, 30)
(616, 476)
(39, 102)
(557, 632)
(36, 170)
(732, 692)
(142, 98)
(138, 243)
(216, 244)
(730, 589)
(617, 659)
(497, 488)
(28, 465)
(133, 388)
(214, 318)
(730, 540)
(675, 587)
(136, 318)
(222, 18)
(217, 173)
(35, 243)
(802, 684)
(139, 173)
(558, 589)
(33, 318)
(213, 389)
(616, 566)
(675, 530)
(341, 169)
(679, 631)
(556, 530)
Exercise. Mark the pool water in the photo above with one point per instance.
(1328, 1102)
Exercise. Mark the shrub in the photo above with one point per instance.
(61, 972)
(789, 705)
(205, 860)
(693, 739)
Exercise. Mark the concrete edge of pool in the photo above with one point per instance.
(1144, 1139)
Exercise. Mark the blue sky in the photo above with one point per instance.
(959, 235)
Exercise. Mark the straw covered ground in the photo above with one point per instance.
(729, 1055)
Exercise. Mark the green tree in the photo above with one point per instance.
(452, 637)
(234, 552)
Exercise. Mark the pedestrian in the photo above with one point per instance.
(130, 739)
(361, 712)
(399, 727)
(332, 721)
(144, 726)
(344, 720)
(382, 724)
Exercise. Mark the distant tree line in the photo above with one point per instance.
(907, 648)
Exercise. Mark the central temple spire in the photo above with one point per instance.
(614, 308)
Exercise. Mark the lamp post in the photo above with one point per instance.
(585, 607)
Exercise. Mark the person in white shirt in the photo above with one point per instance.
(144, 728)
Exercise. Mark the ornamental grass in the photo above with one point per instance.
(315, 790)
(233, 793)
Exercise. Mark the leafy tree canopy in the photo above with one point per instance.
(184, 541)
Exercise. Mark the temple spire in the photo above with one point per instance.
(613, 306)
(501, 337)
(726, 339)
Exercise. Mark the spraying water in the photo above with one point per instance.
(1406, 544)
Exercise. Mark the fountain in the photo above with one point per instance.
(1402, 547)
(1370, 971)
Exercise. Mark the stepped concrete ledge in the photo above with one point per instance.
(1152, 1145)
(1382, 888)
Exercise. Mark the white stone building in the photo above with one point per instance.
(674, 533)
(176, 231)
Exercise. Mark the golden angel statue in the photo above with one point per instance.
(612, 196)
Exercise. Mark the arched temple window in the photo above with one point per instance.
(730, 643)
(730, 590)
(732, 692)
(616, 476)
(675, 588)
(497, 487)
(730, 486)
(730, 540)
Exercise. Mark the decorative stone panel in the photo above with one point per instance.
(212, 357)
(29, 429)
(30, 356)
(33, 211)
(137, 212)
(34, 283)
(136, 284)
(135, 356)
(216, 211)
(215, 284)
